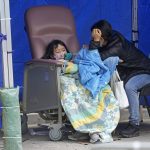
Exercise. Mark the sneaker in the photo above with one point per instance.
(94, 138)
(78, 136)
(130, 131)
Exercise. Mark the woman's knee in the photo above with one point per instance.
(130, 87)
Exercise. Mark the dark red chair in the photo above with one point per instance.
(41, 77)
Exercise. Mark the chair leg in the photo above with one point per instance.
(148, 107)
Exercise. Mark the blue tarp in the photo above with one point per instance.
(85, 13)
(144, 25)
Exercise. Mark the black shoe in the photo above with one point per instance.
(130, 131)
(78, 136)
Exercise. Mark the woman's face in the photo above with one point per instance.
(59, 52)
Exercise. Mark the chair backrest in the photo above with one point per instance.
(45, 23)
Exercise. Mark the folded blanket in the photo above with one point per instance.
(94, 75)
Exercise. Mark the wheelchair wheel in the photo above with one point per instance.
(55, 134)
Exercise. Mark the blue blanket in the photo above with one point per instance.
(94, 75)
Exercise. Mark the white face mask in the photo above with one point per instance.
(101, 42)
(60, 55)
(59, 52)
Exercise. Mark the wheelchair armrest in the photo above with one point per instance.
(45, 61)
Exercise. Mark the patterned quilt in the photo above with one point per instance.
(99, 115)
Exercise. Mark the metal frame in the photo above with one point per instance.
(5, 28)
(135, 31)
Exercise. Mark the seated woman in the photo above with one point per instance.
(57, 50)
(95, 114)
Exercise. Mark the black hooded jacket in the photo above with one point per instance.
(134, 60)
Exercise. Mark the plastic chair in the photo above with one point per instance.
(41, 77)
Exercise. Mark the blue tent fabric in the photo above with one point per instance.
(85, 13)
(144, 25)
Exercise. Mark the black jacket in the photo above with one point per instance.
(135, 62)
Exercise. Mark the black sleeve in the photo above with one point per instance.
(113, 48)
(94, 45)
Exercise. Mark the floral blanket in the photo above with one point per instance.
(87, 114)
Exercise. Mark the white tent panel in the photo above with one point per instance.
(7, 44)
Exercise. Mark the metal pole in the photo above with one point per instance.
(4, 47)
(135, 31)
(5, 29)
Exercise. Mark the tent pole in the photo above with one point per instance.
(9, 44)
(5, 29)
(135, 22)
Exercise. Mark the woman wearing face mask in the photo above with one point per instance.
(56, 49)
(134, 68)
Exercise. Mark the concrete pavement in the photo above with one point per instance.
(43, 143)
(31, 142)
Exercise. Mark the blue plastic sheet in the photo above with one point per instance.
(85, 13)
(144, 25)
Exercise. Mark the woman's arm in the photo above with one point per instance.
(112, 48)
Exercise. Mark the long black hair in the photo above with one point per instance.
(49, 54)
(105, 28)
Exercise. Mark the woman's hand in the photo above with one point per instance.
(120, 60)
(96, 35)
